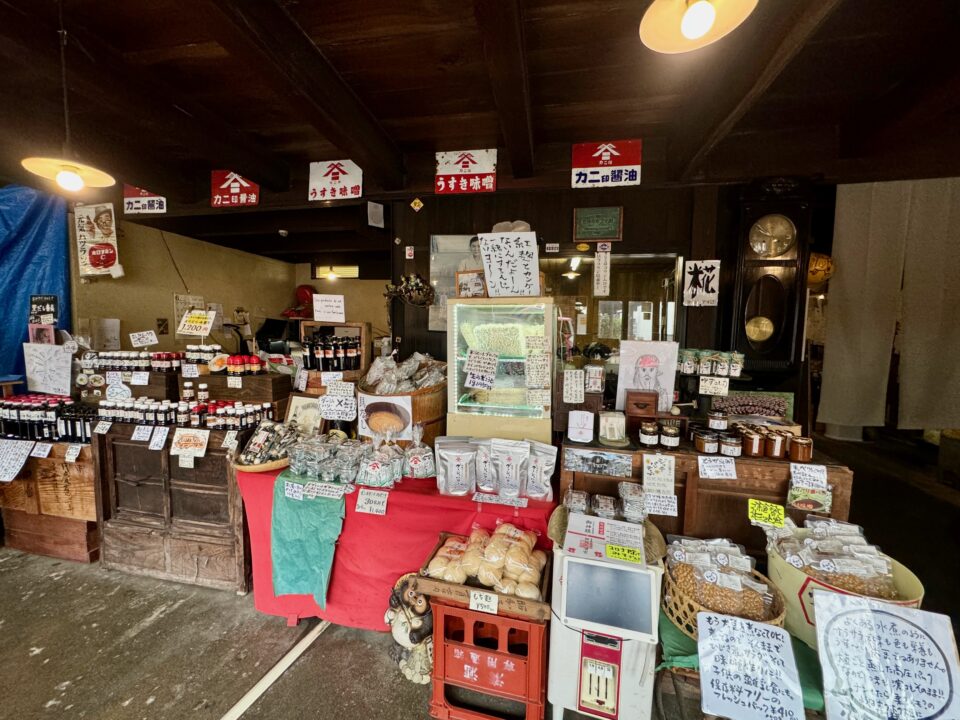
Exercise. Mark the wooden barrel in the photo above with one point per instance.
(428, 408)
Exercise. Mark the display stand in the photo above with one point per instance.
(271, 388)
(356, 329)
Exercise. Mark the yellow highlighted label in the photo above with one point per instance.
(764, 513)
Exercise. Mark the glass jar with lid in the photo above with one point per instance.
(649, 433)
(687, 360)
(731, 445)
(775, 446)
(705, 362)
(721, 364)
(717, 420)
(707, 443)
(801, 449)
(754, 444)
(670, 436)
(736, 364)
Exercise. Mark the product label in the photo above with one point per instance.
(627, 554)
(485, 602)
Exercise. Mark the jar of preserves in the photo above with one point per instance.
(721, 364)
(775, 446)
(753, 444)
(707, 443)
(736, 364)
(705, 362)
(688, 362)
(203, 393)
(801, 449)
(649, 433)
(717, 420)
(731, 446)
(670, 436)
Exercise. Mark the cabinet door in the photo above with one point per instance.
(198, 505)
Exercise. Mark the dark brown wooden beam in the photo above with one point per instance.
(738, 89)
(134, 99)
(268, 223)
(317, 244)
(501, 25)
(268, 39)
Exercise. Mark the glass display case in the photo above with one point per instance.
(500, 355)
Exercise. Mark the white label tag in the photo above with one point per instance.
(142, 433)
(660, 504)
(329, 377)
(114, 377)
(229, 440)
(140, 378)
(812, 477)
(300, 381)
(144, 338)
(190, 370)
(70, 346)
(292, 490)
(337, 388)
(159, 437)
(102, 427)
(717, 468)
(485, 602)
(185, 461)
(73, 452)
(499, 500)
(372, 502)
(41, 450)
(235, 382)
(714, 385)
(552, 247)
(331, 491)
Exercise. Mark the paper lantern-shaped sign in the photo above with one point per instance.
(820, 269)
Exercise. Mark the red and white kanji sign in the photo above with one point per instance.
(466, 171)
(611, 163)
(137, 201)
(230, 189)
(335, 180)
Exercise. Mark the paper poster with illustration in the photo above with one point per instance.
(48, 368)
(701, 283)
(449, 255)
(96, 232)
(42, 334)
(647, 366)
(382, 414)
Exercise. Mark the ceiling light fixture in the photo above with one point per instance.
(575, 262)
(571, 275)
(679, 26)
(69, 174)
(331, 275)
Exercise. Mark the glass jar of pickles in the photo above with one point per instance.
(721, 364)
(649, 433)
(801, 449)
(670, 436)
(707, 443)
(705, 362)
(717, 420)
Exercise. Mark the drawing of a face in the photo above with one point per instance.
(646, 374)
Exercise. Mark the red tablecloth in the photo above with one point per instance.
(373, 550)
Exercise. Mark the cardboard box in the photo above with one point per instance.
(507, 605)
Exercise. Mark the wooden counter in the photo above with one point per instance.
(712, 508)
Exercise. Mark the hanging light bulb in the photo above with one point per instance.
(70, 179)
(571, 274)
(331, 275)
(698, 19)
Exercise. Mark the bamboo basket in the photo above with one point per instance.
(682, 609)
(264, 467)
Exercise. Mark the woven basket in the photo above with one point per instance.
(264, 467)
(682, 609)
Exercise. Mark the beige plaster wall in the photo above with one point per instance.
(264, 287)
(363, 299)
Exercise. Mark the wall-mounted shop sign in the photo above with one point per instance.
(597, 224)
(230, 189)
(335, 180)
(611, 163)
(137, 201)
(466, 171)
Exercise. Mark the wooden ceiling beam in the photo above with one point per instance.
(501, 26)
(138, 101)
(268, 40)
(317, 243)
(713, 123)
(266, 223)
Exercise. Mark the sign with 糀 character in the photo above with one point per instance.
(612, 163)
(466, 171)
(335, 180)
(137, 201)
(511, 264)
(230, 189)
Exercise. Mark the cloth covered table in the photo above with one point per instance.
(373, 550)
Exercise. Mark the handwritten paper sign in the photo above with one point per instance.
(41, 450)
(499, 500)
(810, 477)
(884, 661)
(144, 338)
(48, 368)
(535, 344)
(73, 452)
(185, 461)
(338, 407)
(229, 440)
(328, 377)
(537, 370)
(190, 441)
(747, 669)
(660, 504)
(481, 370)
(142, 433)
(589, 536)
(235, 382)
(372, 502)
(594, 378)
(485, 602)
(714, 385)
(13, 454)
(70, 347)
(197, 322)
(293, 490)
(580, 425)
(658, 473)
(537, 397)
(573, 382)
(114, 377)
(601, 274)
(102, 427)
(190, 370)
(764, 513)
(624, 554)
(712, 467)
(300, 379)
(511, 264)
(141, 377)
(159, 437)
(329, 308)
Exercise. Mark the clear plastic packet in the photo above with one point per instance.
(514, 534)
(825, 527)
(631, 502)
(510, 459)
(418, 458)
(520, 565)
(486, 477)
(456, 472)
(543, 462)
(576, 501)
(604, 506)
(721, 591)
(430, 377)
(408, 367)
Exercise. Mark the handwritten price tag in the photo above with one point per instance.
(41, 450)
(102, 427)
(764, 513)
(372, 502)
(714, 385)
(626, 554)
(235, 382)
(73, 452)
(144, 338)
(485, 602)
(229, 440)
(142, 433)
(810, 477)
(140, 378)
(185, 461)
(159, 437)
(712, 467)
(191, 370)
(328, 377)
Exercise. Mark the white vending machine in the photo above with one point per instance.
(603, 637)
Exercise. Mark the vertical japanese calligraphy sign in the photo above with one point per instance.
(466, 171)
(610, 163)
(335, 180)
(230, 189)
(511, 264)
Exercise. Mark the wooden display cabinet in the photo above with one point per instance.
(356, 329)
(169, 522)
(267, 387)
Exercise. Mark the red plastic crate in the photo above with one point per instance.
(488, 654)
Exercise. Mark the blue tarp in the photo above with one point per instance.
(34, 260)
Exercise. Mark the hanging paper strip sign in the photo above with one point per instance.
(611, 163)
(466, 171)
(335, 180)
(230, 189)
(137, 201)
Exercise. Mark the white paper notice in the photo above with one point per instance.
(72, 453)
(142, 433)
(235, 382)
(102, 427)
(13, 454)
(48, 368)
(190, 441)
(114, 377)
(190, 370)
(535, 344)
(601, 274)
(300, 379)
(658, 474)
(331, 376)
(538, 397)
(714, 385)
(588, 535)
(712, 467)
(537, 370)
(41, 450)
(229, 440)
(573, 386)
(331, 491)
(185, 461)
(375, 214)
(701, 283)
(338, 407)
(329, 308)
(747, 669)
(660, 504)
(511, 265)
(372, 502)
(580, 425)
(481, 370)
(159, 437)
(811, 477)
(339, 388)
(144, 338)
(485, 602)
(594, 378)
(140, 377)
(884, 661)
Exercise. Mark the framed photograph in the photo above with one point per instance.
(598, 462)
(304, 410)
(449, 255)
(471, 284)
(600, 224)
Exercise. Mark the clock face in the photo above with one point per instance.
(773, 235)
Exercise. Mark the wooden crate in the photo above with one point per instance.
(63, 538)
(161, 386)
(361, 329)
(268, 387)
